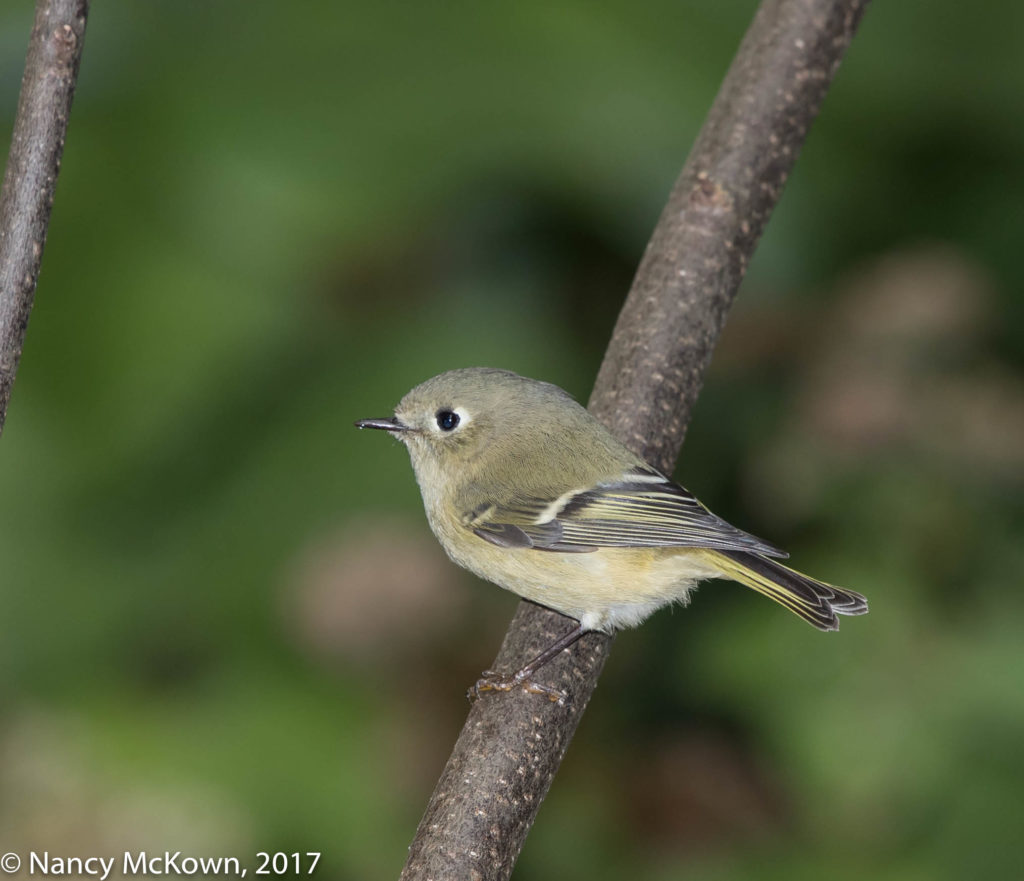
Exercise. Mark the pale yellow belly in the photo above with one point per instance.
(606, 589)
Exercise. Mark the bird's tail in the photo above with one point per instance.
(815, 601)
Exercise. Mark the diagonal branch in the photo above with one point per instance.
(512, 743)
(51, 69)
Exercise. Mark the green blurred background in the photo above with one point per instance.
(224, 625)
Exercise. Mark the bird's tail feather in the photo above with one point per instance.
(815, 601)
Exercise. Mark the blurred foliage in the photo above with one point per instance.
(224, 625)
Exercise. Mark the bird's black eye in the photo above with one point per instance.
(447, 420)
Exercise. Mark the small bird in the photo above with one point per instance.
(525, 488)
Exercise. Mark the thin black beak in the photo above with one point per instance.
(389, 424)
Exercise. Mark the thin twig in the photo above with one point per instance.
(51, 69)
(512, 744)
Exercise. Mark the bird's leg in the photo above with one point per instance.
(493, 681)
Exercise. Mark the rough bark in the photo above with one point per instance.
(512, 743)
(47, 87)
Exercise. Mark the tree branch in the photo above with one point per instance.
(51, 69)
(512, 743)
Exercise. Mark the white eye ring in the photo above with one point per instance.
(448, 420)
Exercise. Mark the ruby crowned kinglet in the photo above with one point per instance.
(525, 488)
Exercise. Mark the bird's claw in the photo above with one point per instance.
(491, 680)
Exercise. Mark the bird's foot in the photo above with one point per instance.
(491, 680)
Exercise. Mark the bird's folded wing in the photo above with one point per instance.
(643, 509)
